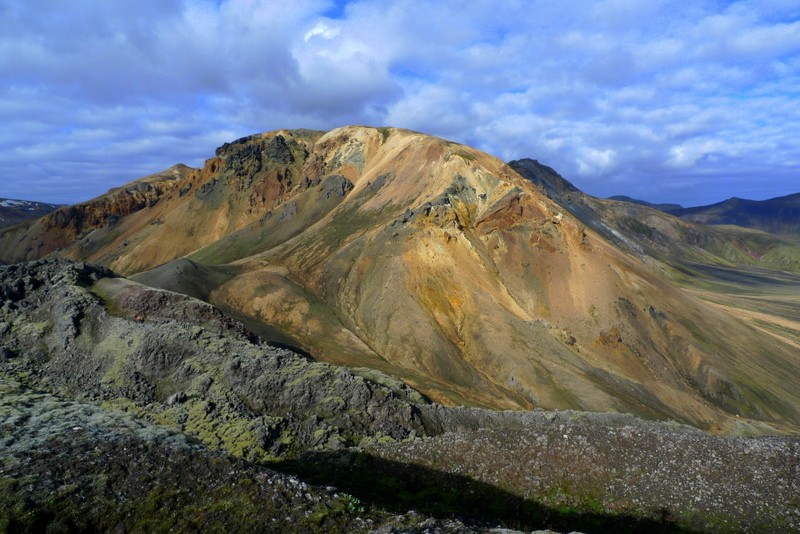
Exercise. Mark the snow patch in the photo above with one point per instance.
(10, 203)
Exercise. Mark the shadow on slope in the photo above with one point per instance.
(186, 277)
(746, 278)
(396, 486)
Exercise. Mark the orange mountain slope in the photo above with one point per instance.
(439, 264)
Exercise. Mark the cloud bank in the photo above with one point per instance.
(663, 100)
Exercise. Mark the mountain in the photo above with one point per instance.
(546, 178)
(662, 207)
(16, 211)
(68, 225)
(444, 267)
(129, 408)
(650, 232)
(779, 215)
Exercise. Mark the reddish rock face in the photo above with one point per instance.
(65, 227)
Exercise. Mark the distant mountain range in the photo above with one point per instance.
(780, 215)
(16, 211)
(651, 232)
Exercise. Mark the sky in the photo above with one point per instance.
(667, 101)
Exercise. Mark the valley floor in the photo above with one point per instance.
(768, 300)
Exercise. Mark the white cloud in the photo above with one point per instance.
(638, 96)
(686, 155)
(321, 30)
(593, 161)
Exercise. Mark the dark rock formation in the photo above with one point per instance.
(241, 395)
(70, 466)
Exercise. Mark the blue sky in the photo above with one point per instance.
(669, 101)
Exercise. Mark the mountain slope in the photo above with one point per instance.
(662, 207)
(779, 215)
(651, 232)
(441, 265)
(86, 226)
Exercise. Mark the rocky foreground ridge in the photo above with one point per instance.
(126, 407)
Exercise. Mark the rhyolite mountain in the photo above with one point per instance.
(70, 224)
(16, 211)
(437, 264)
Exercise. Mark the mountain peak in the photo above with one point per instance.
(552, 183)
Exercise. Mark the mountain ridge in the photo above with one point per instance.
(67, 225)
(779, 215)
(678, 243)
(663, 206)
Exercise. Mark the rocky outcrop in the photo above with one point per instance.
(636, 476)
(68, 466)
(177, 360)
